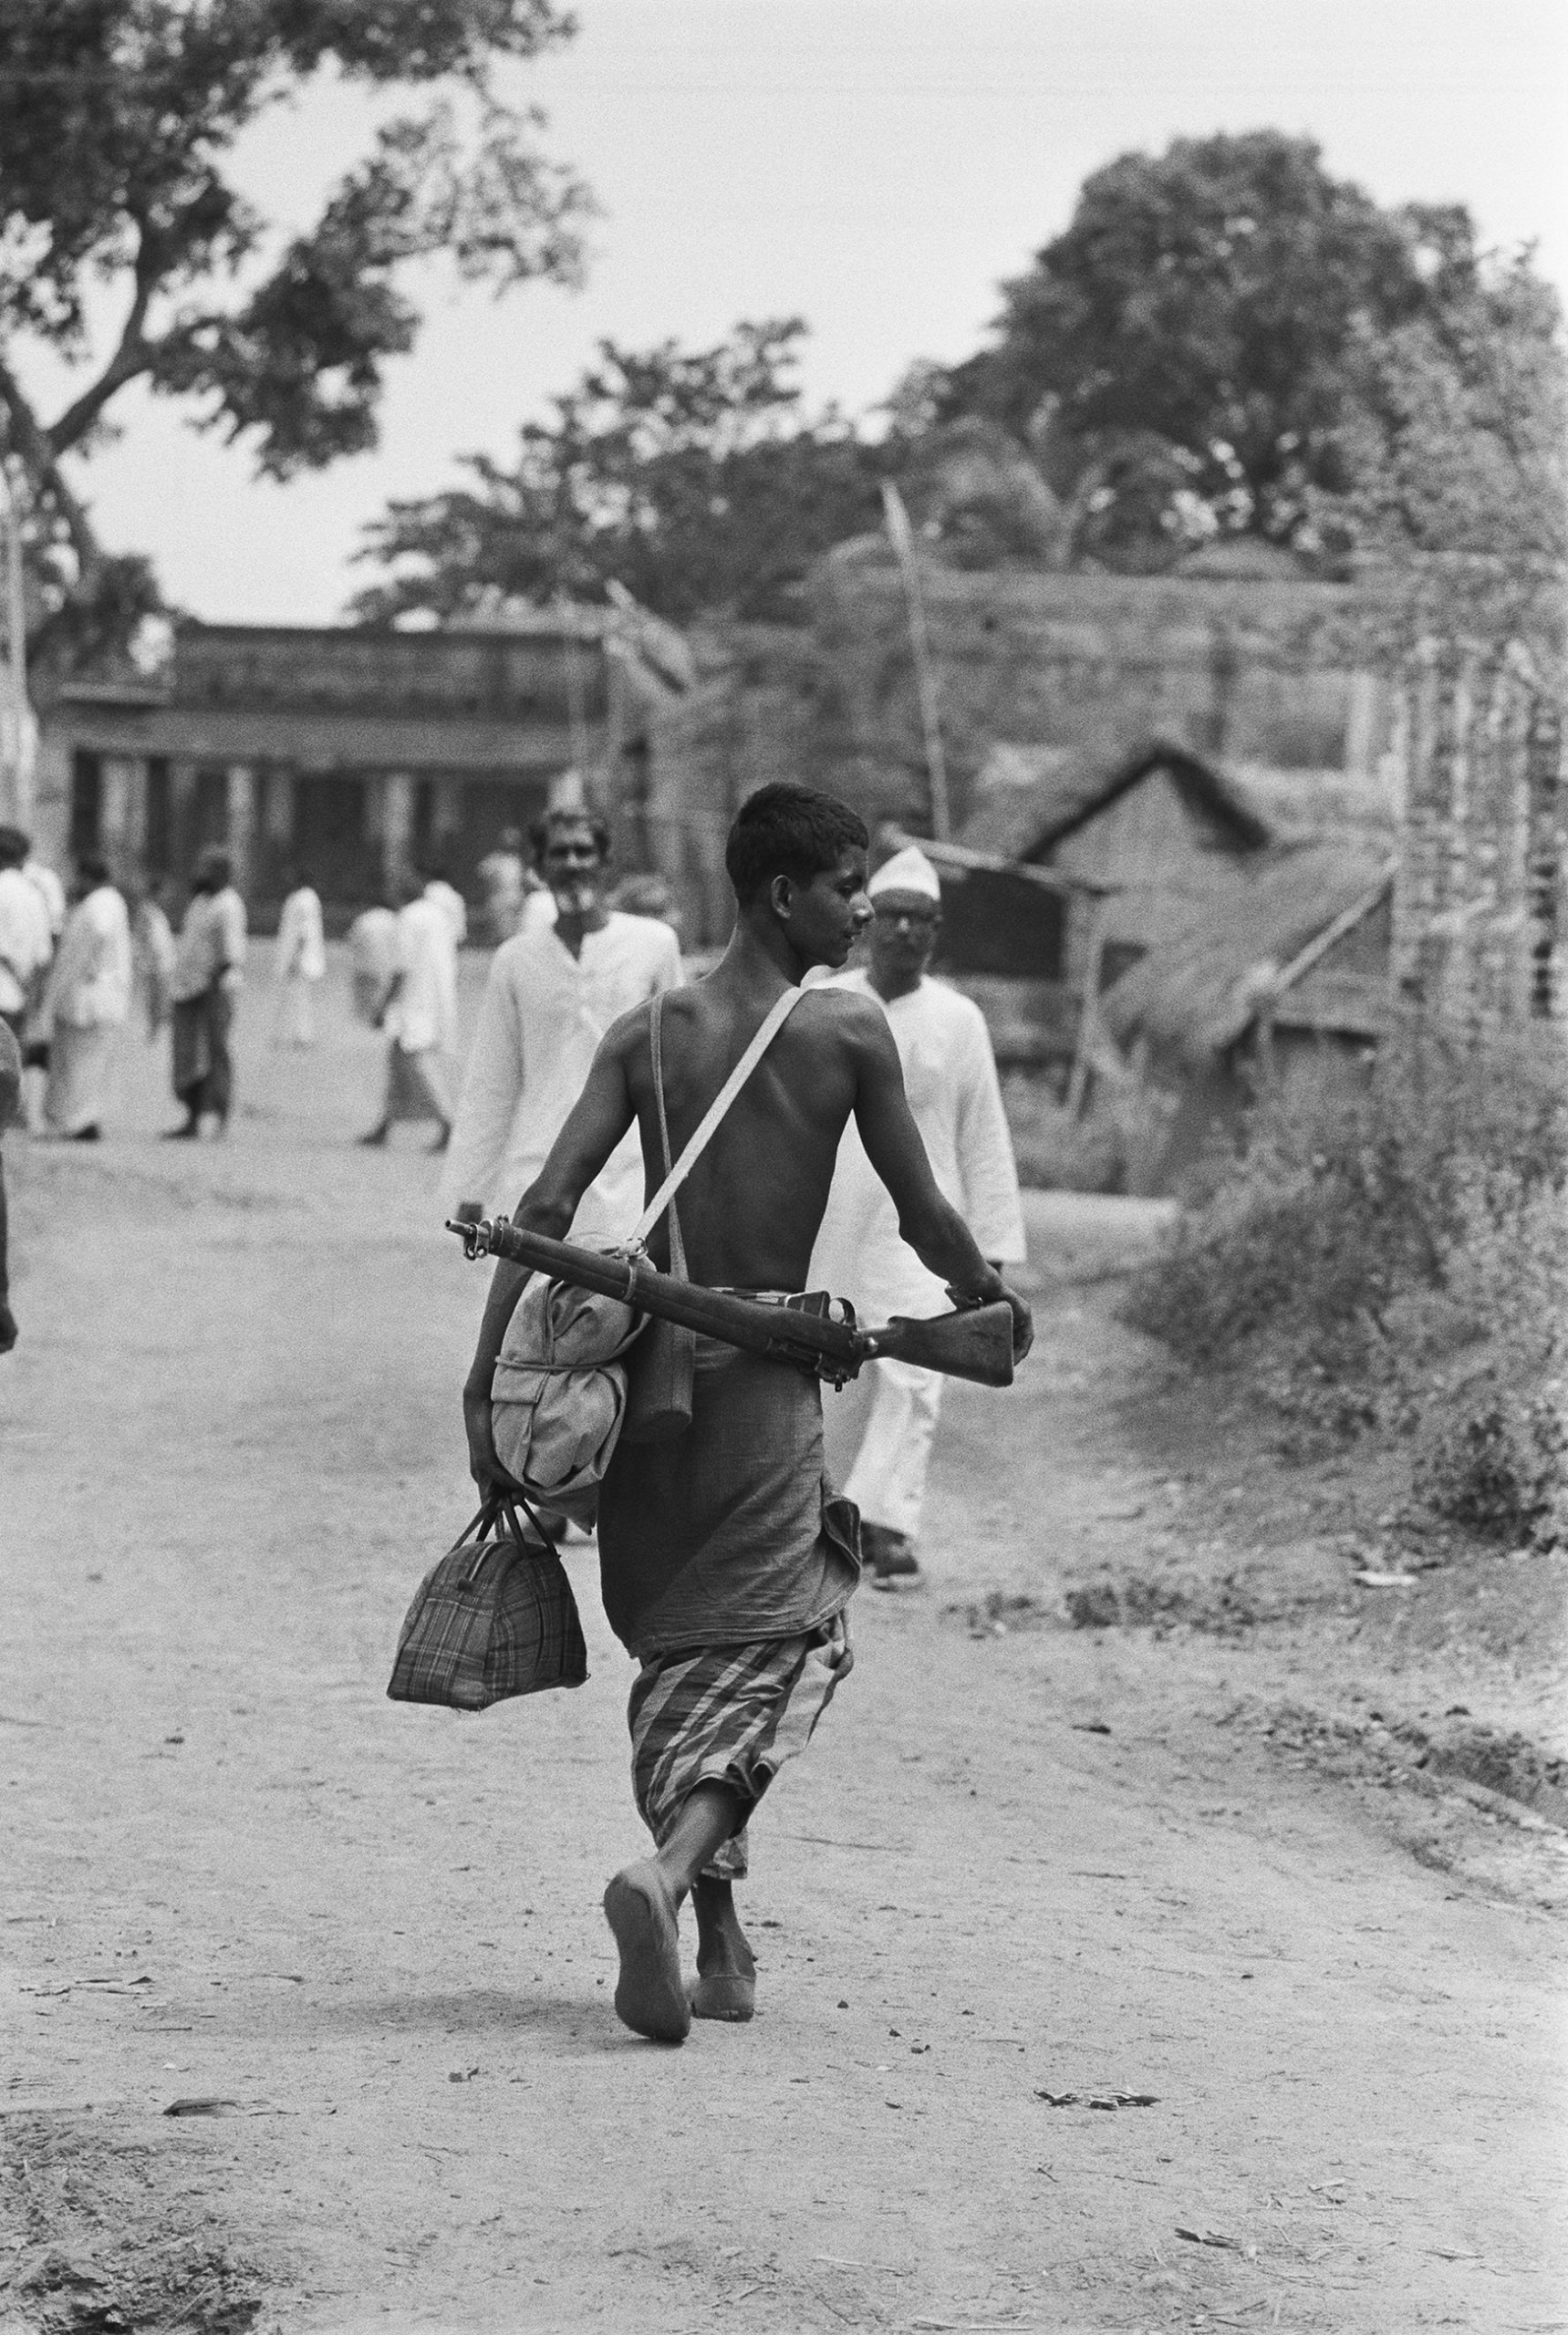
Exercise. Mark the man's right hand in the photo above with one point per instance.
(1023, 1324)
(483, 1464)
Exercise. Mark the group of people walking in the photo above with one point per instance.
(869, 1155)
(74, 970)
(569, 964)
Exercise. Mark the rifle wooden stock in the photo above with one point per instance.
(974, 1344)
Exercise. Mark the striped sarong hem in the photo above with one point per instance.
(728, 1715)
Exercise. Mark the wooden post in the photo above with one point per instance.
(122, 812)
(1089, 1011)
(1548, 862)
(901, 537)
(241, 792)
(15, 739)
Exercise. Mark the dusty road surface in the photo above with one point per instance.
(1022, 1861)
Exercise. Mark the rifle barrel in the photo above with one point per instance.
(975, 1343)
(739, 1320)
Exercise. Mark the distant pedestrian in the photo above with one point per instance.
(87, 1004)
(372, 953)
(25, 941)
(50, 890)
(440, 888)
(300, 963)
(419, 1013)
(209, 967)
(152, 955)
(10, 1112)
(504, 882)
(950, 1078)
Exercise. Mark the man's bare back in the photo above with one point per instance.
(751, 1208)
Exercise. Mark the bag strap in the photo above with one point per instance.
(773, 1022)
(656, 1047)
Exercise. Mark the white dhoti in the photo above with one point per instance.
(888, 1481)
(295, 1021)
(81, 1065)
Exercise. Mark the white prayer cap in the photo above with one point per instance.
(908, 871)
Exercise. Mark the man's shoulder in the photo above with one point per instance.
(843, 1011)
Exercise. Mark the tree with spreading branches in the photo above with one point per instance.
(1227, 340)
(696, 478)
(118, 119)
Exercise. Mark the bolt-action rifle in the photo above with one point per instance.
(974, 1343)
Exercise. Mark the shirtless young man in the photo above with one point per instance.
(726, 1559)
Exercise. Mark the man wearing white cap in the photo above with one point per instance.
(950, 1075)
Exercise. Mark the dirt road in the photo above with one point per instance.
(1049, 1862)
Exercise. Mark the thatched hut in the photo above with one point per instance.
(1293, 989)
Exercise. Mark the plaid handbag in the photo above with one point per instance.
(496, 1616)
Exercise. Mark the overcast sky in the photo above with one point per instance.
(878, 166)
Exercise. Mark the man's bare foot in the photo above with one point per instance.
(648, 1995)
(726, 1982)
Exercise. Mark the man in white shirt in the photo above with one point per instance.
(551, 994)
(299, 961)
(87, 1004)
(505, 883)
(50, 890)
(446, 895)
(950, 1077)
(419, 1013)
(27, 943)
(209, 966)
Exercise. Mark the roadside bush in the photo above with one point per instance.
(1492, 1438)
(1359, 1239)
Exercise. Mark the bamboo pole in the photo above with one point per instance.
(901, 537)
(14, 746)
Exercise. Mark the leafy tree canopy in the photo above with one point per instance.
(694, 477)
(118, 119)
(1222, 341)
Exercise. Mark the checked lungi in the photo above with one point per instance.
(728, 1715)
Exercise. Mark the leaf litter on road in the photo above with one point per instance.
(1097, 2099)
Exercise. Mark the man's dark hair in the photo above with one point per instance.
(598, 827)
(789, 830)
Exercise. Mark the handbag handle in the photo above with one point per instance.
(496, 1504)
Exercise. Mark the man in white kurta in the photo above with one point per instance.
(551, 994)
(25, 940)
(87, 1005)
(299, 964)
(950, 1075)
(418, 1014)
